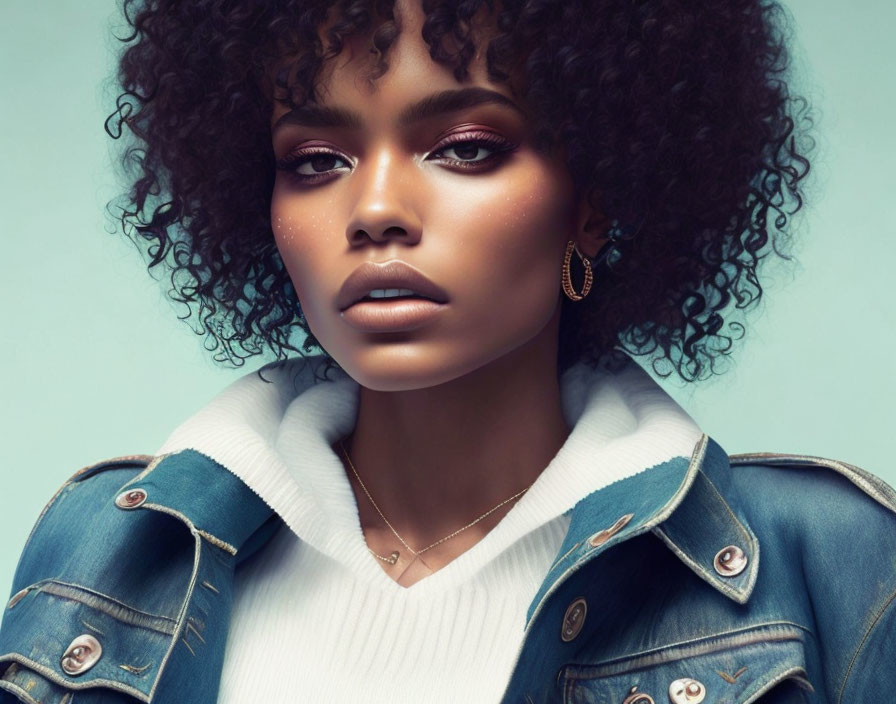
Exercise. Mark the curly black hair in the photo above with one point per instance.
(675, 117)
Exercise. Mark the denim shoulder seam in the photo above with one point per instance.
(871, 484)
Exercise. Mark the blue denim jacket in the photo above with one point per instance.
(752, 578)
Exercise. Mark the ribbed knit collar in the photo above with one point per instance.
(276, 437)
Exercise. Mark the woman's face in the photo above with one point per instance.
(458, 195)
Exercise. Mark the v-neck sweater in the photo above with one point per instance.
(315, 616)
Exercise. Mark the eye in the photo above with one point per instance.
(472, 150)
(310, 165)
(470, 145)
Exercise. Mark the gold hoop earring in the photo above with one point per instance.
(566, 279)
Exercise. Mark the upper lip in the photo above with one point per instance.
(393, 274)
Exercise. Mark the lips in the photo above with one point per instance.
(393, 274)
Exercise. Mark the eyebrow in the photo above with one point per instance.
(316, 115)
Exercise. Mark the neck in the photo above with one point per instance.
(434, 459)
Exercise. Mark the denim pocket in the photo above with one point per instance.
(763, 664)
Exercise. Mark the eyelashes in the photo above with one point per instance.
(313, 164)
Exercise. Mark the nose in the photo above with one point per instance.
(382, 212)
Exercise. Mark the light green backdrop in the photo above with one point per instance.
(95, 364)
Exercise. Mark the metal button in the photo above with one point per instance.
(604, 535)
(686, 691)
(133, 498)
(574, 619)
(730, 561)
(83, 653)
(17, 597)
(636, 697)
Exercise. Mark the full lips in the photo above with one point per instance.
(392, 316)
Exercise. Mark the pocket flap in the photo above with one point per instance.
(736, 668)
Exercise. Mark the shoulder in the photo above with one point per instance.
(818, 502)
(813, 473)
(834, 524)
(79, 498)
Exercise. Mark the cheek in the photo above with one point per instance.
(514, 236)
(302, 237)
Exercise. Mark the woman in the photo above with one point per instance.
(473, 493)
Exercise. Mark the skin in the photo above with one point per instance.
(464, 412)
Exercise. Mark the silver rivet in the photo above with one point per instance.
(636, 697)
(604, 535)
(574, 619)
(686, 691)
(83, 653)
(730, 561)
(133, 498)
(17, 597)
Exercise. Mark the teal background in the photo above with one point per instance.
(95, 363)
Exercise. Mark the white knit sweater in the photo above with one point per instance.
(316, 619)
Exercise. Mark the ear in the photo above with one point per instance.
(591, 227)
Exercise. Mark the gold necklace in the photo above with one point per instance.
(393, 557)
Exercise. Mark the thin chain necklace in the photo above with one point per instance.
(393, 558)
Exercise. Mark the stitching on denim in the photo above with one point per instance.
(751, 539)
(565, 555)
(89, 627)
(107, 605)
(188, 598)
(85, 684)
(210, 586)
(861, 646)
(217, 542)
(759, 633)
(153, 463)
(697, 455)
(134, 670)
(798, 674)
(67, 699)
(731, 679)
(192, 628)
(18, 691)
(739, 595)
(879, 490)
(184, 641)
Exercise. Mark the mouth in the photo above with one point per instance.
(388, 283)
(398, 314)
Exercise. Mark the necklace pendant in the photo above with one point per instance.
(393, 558)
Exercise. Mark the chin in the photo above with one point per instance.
(403, 367)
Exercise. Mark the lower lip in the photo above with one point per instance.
(392, 316)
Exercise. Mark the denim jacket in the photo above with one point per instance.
(751, 578)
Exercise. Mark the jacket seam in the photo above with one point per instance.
(188, 597)
(128, 614)
(798, 674)
(57, 680)
(861, 646)
(712, 643)
(884, 495)
(18, 692)
(40, 587)
(217, 542)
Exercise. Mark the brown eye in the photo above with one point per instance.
(311, 165)
(468, 146)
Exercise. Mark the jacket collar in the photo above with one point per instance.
(689, 503)
(205, 470)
